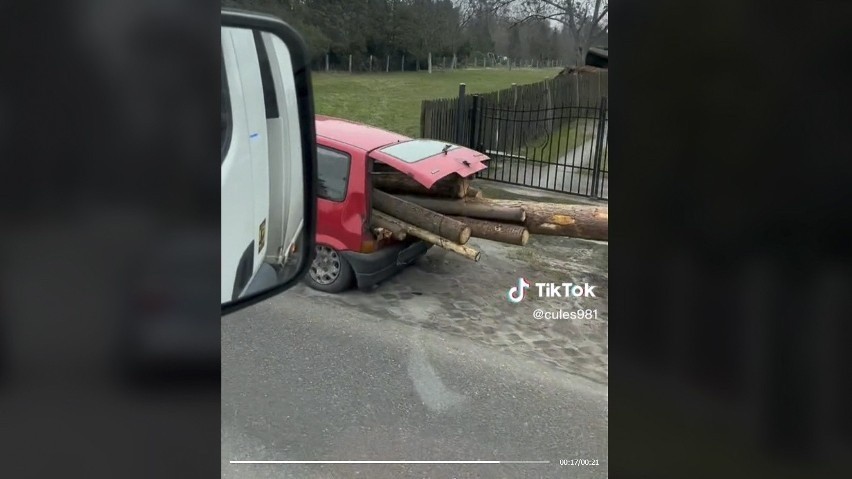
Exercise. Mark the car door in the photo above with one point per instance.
(284, 147)
(341, 196)
(245, 169)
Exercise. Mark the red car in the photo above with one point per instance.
(348, 153)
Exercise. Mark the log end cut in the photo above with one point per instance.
(464, 236)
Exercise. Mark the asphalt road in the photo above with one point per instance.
(305, 379)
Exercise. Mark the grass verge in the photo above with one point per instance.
(392, 100)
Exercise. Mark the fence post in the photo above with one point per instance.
(423, 118)
(599, 144)
(350, 63)
(430, 62)
(474, 128)
(459, 115)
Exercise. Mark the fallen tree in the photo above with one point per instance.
(452, 186)
(577, 221)
(424, 218)
(427, 236)
(490, 230)
(469, 208)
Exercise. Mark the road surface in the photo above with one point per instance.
(307, 379)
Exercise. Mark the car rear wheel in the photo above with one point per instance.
(329, 271)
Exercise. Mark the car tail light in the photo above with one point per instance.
(368, 246)
(369, 243)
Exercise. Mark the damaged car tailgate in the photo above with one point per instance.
(427, 161)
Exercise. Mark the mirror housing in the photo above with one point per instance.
(268, 159)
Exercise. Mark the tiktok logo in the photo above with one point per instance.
(516, 294)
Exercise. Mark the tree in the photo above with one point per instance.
(586, 21)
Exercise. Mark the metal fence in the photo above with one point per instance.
(540, 139)
(559, 149)
(365, 63)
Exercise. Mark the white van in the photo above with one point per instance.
(261, 163)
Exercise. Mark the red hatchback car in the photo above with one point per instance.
(347, 251)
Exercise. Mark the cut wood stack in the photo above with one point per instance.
(452, 211)
(453, 186)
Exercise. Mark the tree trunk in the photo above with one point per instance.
(453, 186)
(436, 223)
(430, 237)
(470, 208)
(577, 221)
(490, 230)
(380, 220)
(430, 62)
(473, 192)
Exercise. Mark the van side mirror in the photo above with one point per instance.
(268, 159)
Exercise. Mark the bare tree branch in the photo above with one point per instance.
(555, 16)
(602, 15)
(584, 20)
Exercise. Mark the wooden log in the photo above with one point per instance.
(557, 219)
(467, 207)
(473, 192)
(502, 232)
(452, 186)
(436, 223)
(396, 231)
(430, 237)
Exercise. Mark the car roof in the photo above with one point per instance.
(356, 134)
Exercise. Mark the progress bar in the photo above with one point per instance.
(390, 462)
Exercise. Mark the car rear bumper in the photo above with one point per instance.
(373, 268)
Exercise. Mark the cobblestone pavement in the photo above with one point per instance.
(451, 294)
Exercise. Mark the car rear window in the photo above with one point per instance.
(332, 173)
(417, 150)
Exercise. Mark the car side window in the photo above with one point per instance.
(333, 173)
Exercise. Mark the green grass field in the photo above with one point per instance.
(392, 100)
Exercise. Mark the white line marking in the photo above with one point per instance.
(390, 462)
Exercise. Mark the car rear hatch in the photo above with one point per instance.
(427, 161)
